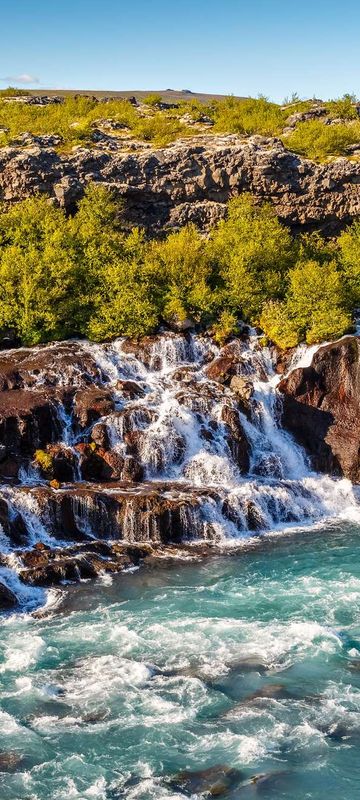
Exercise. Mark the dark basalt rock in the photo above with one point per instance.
(189, 181)
(236, 438)
(91, 404)
(99, 464)
(10, 761)
(147, 512)
(63, 463)
(61, 364)
(28, 420)
(215, 781)
(321, 407)
(7, 600)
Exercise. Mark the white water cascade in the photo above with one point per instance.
(237, 471)
(182, 435)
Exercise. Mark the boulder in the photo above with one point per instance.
(236, 438)
(96, 464)
(7, 600)
(92, 403)
(216, 781)
(10, 761)
(100, 435)
(63, 467)
(321, 407)
(28, 420)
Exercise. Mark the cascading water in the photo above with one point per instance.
(186, 439)
(188, 431)
(172, 683)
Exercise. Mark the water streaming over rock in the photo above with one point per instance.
(182, 454)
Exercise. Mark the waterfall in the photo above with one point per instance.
(227, 470)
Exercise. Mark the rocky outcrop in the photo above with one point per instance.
(28, 421)
(321, 407)
(147, 512)
(7, 598)
(188, 181)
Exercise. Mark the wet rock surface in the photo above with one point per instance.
(214, 781)
(321, 407)
(164, 442)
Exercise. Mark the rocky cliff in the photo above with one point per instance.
(190, 180)
(321, 407)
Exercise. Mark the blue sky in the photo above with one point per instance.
(273, 47)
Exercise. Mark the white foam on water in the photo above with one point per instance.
(104, 675)
(23, 651)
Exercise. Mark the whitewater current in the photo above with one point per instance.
(127, 687)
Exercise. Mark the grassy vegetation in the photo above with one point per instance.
(63, 276)
(75, 118)
(250, 116)
(12, 91)
(318, 141)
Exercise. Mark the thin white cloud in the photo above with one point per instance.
(23, 78)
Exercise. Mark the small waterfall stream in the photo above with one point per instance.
(187, 433)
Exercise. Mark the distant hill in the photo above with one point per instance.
(167, 95)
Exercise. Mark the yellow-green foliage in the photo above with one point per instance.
(349, 243)
(253, 252)
(12, 91)
(73, 120)
(250, 116)
(314, 308)
(70, 119)
(225, 327)
(161, 129)
(38, 271)
(43, 460)
(183, 264)
(314, 139)
(84, 275)
(153, 100)
(343, 107)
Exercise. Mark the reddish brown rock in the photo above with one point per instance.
(91, 404)
(147, 512)
(61, 364)
(28, 420)
(63, 463)
(321, 407)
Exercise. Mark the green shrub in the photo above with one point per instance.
(38, 272)
(225, 327)
(63, 276)
(160, 129)
(183, 264)
(278, 324)
(343, 107)
(153, 100)
(252, 252)
(250, 116)
(13, 91)
(314, 309)
(349, 245)
(123, 304)
(318, 141)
